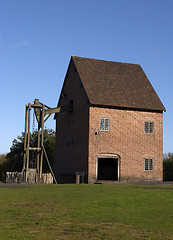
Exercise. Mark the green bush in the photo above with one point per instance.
(168, 167)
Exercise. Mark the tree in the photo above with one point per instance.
(3, 166)
(2, 158)
(13, 160)
(168, 167)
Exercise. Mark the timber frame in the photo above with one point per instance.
(42, 114)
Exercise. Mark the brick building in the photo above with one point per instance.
(115, 131)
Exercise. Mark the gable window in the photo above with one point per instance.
(149, 127)
(149, 164)
(104, 124)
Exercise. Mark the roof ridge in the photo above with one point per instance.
(111, 61)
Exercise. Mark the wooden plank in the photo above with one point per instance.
(38, 145)
(42, 138)
(34, 148)
(28, 144)
(52, 110)
(47, 117)
(24, 156)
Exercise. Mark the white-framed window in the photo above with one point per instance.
(149, 164)
(104, 124)
(149, 127)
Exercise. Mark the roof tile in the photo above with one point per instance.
(117, 84)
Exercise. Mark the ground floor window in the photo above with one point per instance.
(149, 164)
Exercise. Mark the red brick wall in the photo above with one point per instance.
(71, 154)
(127, 139)
(78, 147)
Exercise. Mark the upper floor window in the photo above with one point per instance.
(149, 127)
(104, 124)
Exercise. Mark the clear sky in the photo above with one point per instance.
(38, 37)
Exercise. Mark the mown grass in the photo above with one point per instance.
(92, 212)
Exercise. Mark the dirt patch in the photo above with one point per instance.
(151, 188)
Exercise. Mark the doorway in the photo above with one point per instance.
(108, 169)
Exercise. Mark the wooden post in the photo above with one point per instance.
(42, 138)
(77, 178)
(38, 145)
(27, 163)
(24, 156)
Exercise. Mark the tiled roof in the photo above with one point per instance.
(117, 84)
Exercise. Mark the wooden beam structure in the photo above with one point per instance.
(42, 113)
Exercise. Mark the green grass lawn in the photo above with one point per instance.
(89, 212)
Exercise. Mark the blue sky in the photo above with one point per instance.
(37, 38)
